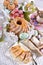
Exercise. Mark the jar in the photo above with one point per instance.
(39, 6)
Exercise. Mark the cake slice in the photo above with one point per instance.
(28, 57)
(15, 48)
(22, 56)
(19, 52)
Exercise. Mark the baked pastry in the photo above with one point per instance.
(15, 48)
(28, 57)
(21, 54)
(6, 2)
(18, 53)
(18, 25)
(25, 56)
(10, 4)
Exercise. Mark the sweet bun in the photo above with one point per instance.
(18, 25)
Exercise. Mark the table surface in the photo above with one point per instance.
(6, 61)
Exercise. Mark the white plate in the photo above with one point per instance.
(8, 54)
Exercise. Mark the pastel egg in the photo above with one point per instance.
(23, 35)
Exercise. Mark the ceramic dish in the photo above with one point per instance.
(8, 54)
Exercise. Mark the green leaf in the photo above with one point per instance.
(22, 4)
(25, 8)
(26, 16)
(20, 8)
(7, 27)
(1, 39)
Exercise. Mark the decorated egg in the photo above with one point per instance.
(23, 35)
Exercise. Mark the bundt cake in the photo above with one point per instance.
(10, 4)
(18, 25)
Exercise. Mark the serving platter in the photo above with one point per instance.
(18, 61)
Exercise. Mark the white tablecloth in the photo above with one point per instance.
(6, 61)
